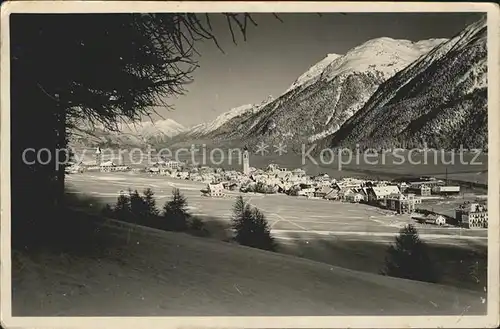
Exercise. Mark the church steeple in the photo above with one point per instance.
(98, 156)
(246, 161)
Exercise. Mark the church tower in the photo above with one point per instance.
(246, 161)
(98, 156)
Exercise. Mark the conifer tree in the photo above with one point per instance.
(137, 205)
(251, 227)
(175, 212)
(122, 207)
(150, 202)
(409, 258)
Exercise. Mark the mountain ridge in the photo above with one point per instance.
(439, 100)
(326, 95)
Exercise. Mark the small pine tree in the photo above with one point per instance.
(251, 227)
(175, 212)
(409, 258)
(197, 227)
(122, 207)
(137, 205)
(150, 202)
(196, 224)
(262, 232)
(242, 217)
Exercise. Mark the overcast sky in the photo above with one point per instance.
(276, 53)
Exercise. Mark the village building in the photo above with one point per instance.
(213, 190)
(299, 172)
(167, 171)
(297, 179)
(109, 166)
(343, 192)
(403, 187)
(154, 170)
(435, 219)
(364, 192)
(420, 189)
(446, 190)
(381, 183)
(322, 178)
(377, 194)
(402, 204)
(206, 170)
(170, 164)
(307, 192)
(353, 197)
(231, 185)
(472, 215)
(272, 167)
(284, 187)
(333, 195)
(284, 174)
(92, 168)
(348, 183)
(428, 182)
(323, 191)
(197, 178)
(216, 178)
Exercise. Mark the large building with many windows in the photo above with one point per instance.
(401, 203)
(472, 215)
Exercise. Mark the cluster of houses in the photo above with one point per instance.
(400, 197)
(428, 186)
(107, 166)
(295, 182)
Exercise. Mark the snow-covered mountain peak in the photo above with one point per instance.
(221, 119)
(206, 127)
(385, 55)
(440, 99)
(313, 72)
(167, 127)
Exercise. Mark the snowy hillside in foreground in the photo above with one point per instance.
(328, 94)
(152, 273)
(439, 100)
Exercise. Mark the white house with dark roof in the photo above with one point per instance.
(214, 190)
(378, 193)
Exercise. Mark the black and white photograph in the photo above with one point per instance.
(240, 164)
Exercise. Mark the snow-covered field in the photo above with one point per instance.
(353, 236)
(153, 273)
(288, 216)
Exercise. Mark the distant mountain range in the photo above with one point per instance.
(384, 92)
(439, 100)
(324, 97)
(204, 129)
(127, 134)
